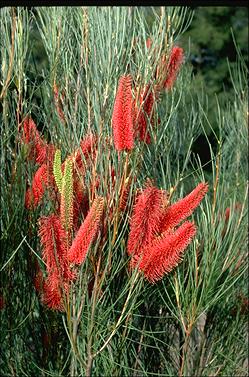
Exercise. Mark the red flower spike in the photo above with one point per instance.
(183, 208)
(54, 240)
(39, 184)
(31, 136)
(122, 117)
(145, 219)
(175, 61)
(45, 153)
(52, 292)
(86, 233)
(164, 254)
(144, 114)
(30, 133)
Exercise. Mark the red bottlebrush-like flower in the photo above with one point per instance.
(144, 114)
(86, 233)
(43, 177)
(39, 184)
(156, 248)
(30, 134)
(183, 208)
(122, 117)
(145, 220)
(54, 240)
(53, 292)
(165, 253)
(39, 150)
(173, 66)
(45, 153)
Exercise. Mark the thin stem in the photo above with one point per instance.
(12, 52)
(120, 317)
(122, 185)
(217, 169)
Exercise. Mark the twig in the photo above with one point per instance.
(120, 318)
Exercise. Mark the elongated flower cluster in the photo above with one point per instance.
(144, 114)
(145, 220)
(39, 150)
(65, 184)
(156, 241)
(122, 117)
(154, 244)
(183, 208)
(132, 117)
(173, 66)
(86, 233)
(35, 193)
(53, 240)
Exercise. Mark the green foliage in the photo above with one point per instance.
(193, 321)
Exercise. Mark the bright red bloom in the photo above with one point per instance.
(30, 134)
(144, 114)
(145, 220)
(54, 244)
(155, 246)
(122, 117)
(165, 253)
(39, 184)
(54, 252)
(183, 208)
(53, 292)
(173, 66)
(39, 149)
(86, 233)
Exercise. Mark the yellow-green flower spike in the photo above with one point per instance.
(67, 196)
(57, 169)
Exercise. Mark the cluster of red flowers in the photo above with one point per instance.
(132, 117)
(154, 244)
(59, 252)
